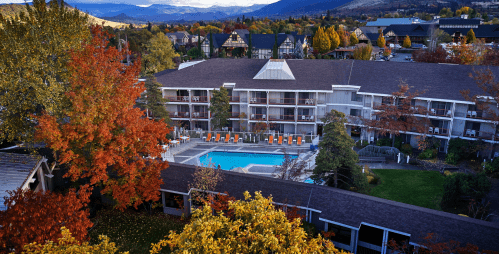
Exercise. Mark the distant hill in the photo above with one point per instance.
(10, 10)
(297, 7)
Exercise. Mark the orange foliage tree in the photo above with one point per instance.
(38, 217)
(103, 137)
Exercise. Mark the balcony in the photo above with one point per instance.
(200, 99)
(234, 99)
(235, 114)
(440, 112)
(306, 118)
(179, 115)
(177, 98)
(306, 102)
(254, 100)
(258, 117)
(290, 118)
(479, 134)
(438, 131)
(478, 114)
(284, 101)
(200, 115)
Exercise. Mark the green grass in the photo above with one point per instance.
(415, 187)
(134, 231)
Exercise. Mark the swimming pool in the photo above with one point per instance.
(230, 160)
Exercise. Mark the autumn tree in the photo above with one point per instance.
(103, 138)
(363, 53)
(407, 42)
(33, 64)
(160, 54)
(470, 36)
(337, 160)
(486, 102)
(220, 108)
(387, 51)
(259, 228)
(468, 54)
(334, 38)
(37, 217)
(439, 55)
(321, 41)
(344, 37)
(205, 178)
(290, 169)
(398, 114)
(353, 39)
(152, 100)
(381, 41)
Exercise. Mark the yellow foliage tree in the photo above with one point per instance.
(160, 54)
(334, 38)
(256, 227)
(407, 42)
(353, 39)
(321, 41)
(363, 53)
(69, 245)
(381, 41)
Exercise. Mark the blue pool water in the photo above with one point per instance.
(228, 160)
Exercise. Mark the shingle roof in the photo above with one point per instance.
(458, 21)
(266, 41)
(347, 207)
(14, 170)
(391, 21)
(218, 39)
(177, 34)
(411, 30)
(440, 81)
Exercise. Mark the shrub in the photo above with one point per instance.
(459, 185)
(406, 149)
(384, 142)
(428, 154)
(370, 179)
(451, 158)
(361, 143)
(464, 149)
(447, 173)
(491, 167)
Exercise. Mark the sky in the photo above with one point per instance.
(193, 3)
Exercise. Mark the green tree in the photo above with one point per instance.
(485, 17)
(381, 41)
(334, 38)
(407, 42)
(275, 54)
(199, 46)
(152, 100)
(470, 36)
(220, 108)
(353, 39)
(457, 186)
(34, 49)
(250, 47)
(160, 54)
(336, 156)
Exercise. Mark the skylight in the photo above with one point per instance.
(275, 69)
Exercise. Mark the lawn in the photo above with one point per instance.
(134, 231)
(415, 187)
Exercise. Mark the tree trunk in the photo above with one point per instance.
(393, 140)
(336, 178)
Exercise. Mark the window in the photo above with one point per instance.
(173, 200)
(356, 97)
(355, 112)
(234, 37)
(341, 234)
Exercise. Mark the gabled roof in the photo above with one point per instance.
(218, 39)
(178, 34)
(14, 172)
(346, 207)
(392, 21)
(266, 41)
(276, 69)
(411, 30)
(458, 21)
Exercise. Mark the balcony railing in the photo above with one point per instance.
(478, 114)
(286, 101)
(440, 112)
(379, 104)
(199, 99)
(179, 115)
(310, 101)
(254, 100)
(258, 117)
(200, 115)
(306, 118)
(438, 131)
(479, 134)
(184, 98)
(234, 98)
(235, 114)
(282, 118)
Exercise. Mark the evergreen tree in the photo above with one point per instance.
(199, 45)
(337, 160)
(407, 42)
(381, 41)
(152, 100)
(250, 47)
(470, 36)
(212, 48)
(220, 108)
(334, 38)
(353, 39)
(149, 26)
(485, 17)
(275, 54)
(299, 50)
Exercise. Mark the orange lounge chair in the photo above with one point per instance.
(279, 142)
(208, 138)
(236, 138)
(271, 140)
(227, 138)
(290, 140)
(217, 138)
(298, 141)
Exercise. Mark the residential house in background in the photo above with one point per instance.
(180, 38)
(294, 95)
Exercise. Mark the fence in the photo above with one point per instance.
(247, 137)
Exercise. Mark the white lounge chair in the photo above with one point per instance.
(175, 114)
(430, 129)
(303, 118)
(474, 114)
(473, 133)
(437, 130)
(469, 113)
(264, 117)
(433, 111)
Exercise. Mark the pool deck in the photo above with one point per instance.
(188, 153)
